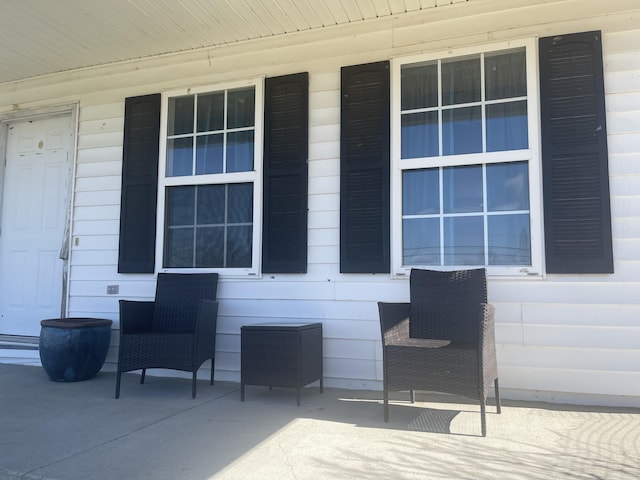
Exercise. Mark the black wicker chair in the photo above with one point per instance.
(443, 340)
(176, 331)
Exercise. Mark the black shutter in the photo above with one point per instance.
(364, 169)
(286, 140)
(574, 155)
(139, 184)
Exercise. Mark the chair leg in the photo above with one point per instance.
(144, 373)
(413, 396)
(386, 404)
(483, 417)
(193, 384)
(495, 383)
(212, 371)
(118, 375)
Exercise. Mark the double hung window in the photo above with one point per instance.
(210, 179)
(465, 161)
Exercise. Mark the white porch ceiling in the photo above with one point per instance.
(39, 37)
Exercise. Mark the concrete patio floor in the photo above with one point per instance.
(156, 431)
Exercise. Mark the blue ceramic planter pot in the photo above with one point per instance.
(74, 349)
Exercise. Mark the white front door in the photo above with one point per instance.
(34, 204)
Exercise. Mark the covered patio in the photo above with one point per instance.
(567, 329)
(77, 430)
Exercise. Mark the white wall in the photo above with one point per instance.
(561, 334)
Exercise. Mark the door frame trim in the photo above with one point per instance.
(42, 113)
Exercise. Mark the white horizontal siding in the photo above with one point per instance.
(558, 333)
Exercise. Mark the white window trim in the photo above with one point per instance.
(532, 155)
(254, 177)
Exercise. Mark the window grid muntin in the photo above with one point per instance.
(528, 125)
(482, 103)
(441, 216)
(253, 176)
(195, 134)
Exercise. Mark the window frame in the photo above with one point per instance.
(532, 155)
(253, 176)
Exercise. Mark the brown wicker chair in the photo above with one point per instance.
(443, 340)
(176, 331)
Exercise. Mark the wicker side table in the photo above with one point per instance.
(281, 355)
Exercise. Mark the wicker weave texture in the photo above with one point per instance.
(281, 355)
(443, 340)
(176, 331)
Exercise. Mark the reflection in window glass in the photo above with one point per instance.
(219, 148)
(419, 86)
(209, 154)
(209, 216)
(240, 203)
(508, 186)
(505, 75)
(421, 245)
(209, 226)
(179, 157)
(421, 192)
(210, 253)
(465, 210)
(178, 247)
(210, 200)
(464, 241)
(180, 115)
(211, 112)
(509, 240)
(180, 203)
(241, 105)
(460, 214)
(461, 81)
(507, 127)
(420, 135)
(462, 189)
(462, 131)
(240, 151)
(239, 246)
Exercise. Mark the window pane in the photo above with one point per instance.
(421, 241)
(241, 107)
(211, 204)
(505, 75)
(211, 112)
(239, 246)
(507, 126)
(509, 240)
(210, 247)
(209, 154)
(180, 118)
(419, 86)
(240, 203)
(464, 241)
(240, 151)
(180, 205)
(462, 131)
(420, 135)
(461, 81)
(420, 192)
(179, 248)
(179, 157)
(508, 186)
(462, 189)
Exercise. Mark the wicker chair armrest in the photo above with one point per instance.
(136, 316)
(394, 321)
